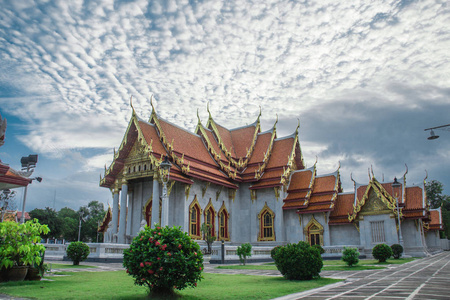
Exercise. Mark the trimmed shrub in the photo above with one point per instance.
(164, 259)
(298, 261)
(397, 250)
(244, 251)
(274, 251)
(77, 251)
(350, 256)
(381, 252)
(322, 251)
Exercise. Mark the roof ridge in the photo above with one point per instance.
(175, 125)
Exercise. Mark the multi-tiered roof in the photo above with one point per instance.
(212, 153)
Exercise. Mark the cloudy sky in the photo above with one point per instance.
(364, 78)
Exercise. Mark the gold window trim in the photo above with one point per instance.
(313, 227)
(194, 204)
(210, 207)
(223, 209)
(264, 210)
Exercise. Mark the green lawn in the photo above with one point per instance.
(329, 265)
(69, 266)
(119, 285)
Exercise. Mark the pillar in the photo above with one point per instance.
(115, 216)
(123, 212)
(130, 209)
(155, 202)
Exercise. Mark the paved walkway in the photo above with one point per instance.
(427, 278)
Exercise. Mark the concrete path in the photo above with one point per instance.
(427, 278)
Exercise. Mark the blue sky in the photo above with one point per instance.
(364, 79)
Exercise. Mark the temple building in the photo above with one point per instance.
(253, 186)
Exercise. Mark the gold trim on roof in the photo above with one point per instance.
(385, 197)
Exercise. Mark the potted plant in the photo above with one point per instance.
(19, 247)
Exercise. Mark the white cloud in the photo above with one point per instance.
(71, 68)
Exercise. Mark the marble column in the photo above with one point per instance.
(155, 202)
(123, 212)
(131, 201)
(115, 213)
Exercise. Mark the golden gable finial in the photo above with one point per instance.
(298, 126)
(198, 117)
(151, 103)
(207, 108)
(131, 102)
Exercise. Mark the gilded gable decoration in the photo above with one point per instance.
(218, 192)
(169, 187)
(187, 189)
(314, 232)
(277, 192)
(253, 195)
(205, 188)
(231, 194)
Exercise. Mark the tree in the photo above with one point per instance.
(48, 217)
(69, 220)
(92, 214)
(434, 194)
(436, 199)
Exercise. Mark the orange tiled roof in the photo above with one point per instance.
(282, 149)
(316, 208)
(227, 140)
(242, 139)
(343, 206)
(300, 180)
(436, 219)
(414, 197)
(324, 184)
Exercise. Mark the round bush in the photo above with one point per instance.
(164, 259)
(77, 251)
(274, 251)
(322, 251)
(298, 261)
(350, 256)
(397, 250)
(381, 252)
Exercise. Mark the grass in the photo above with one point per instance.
(330, 265)
(119, 285)
(70, 266)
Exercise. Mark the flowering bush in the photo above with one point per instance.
(164, 259)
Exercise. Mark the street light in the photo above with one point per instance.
(434, 136)
(22, 218)
(79, 227)
(28, 162)
(395, 186)
(165, 166)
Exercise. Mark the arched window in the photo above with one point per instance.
(210, 216)
(194, 219)
(223, 223)
(148, 211)
(266, 224)
(314, 232)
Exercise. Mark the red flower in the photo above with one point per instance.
(179, 246)
(151, 271)
(161, 268)
(158, 228)
(195, 253)
(175, 287)
(142, 265)
(170, 254)
(128, 271)
(150, 239)
(159, 233)
(148, 263)
(154, 232)
(200, 268)
(157, 243)
(158, 258)
(163, 247)
(195, 283)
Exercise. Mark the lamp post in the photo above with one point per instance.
(22, 218)
(395, 186)
(79, 227)
(165, 169)
(28, 162)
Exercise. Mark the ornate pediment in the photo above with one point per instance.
(374, 205)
